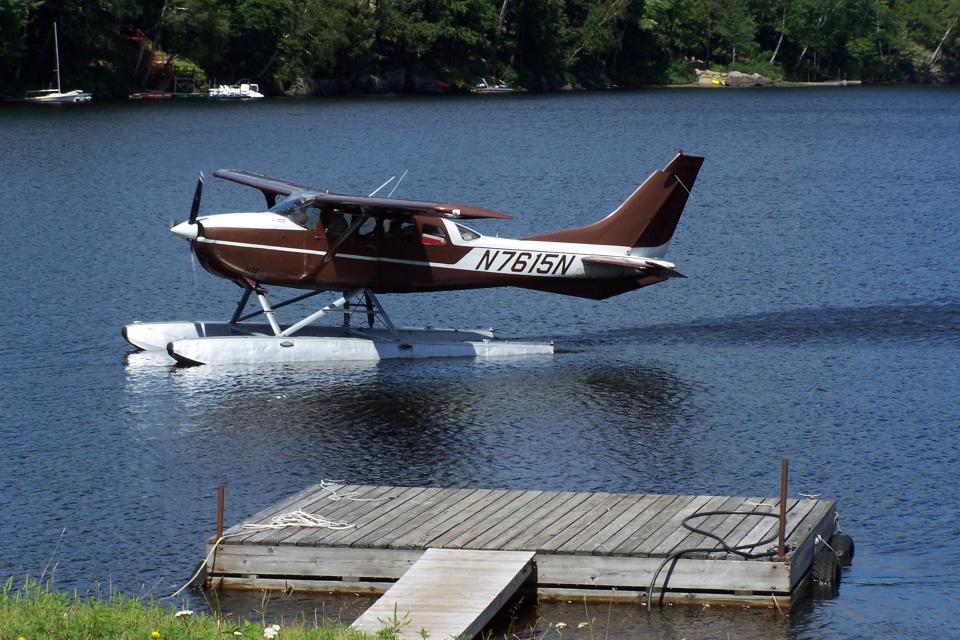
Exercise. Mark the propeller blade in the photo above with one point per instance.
(195, 209)
(193, 266)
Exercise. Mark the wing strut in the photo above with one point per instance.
(355, 224)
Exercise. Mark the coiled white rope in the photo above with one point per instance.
(298, 518)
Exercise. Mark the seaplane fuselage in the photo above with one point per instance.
(311, 239)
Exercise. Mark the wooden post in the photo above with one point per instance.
(220, 512)
(782, 546)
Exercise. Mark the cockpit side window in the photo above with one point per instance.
(401, 229)
(334, 222)
(467, 233)
(369, 228)
(431, 234)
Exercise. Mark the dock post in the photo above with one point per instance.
(219, 512)
(781, 546)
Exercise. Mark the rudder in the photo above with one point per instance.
(648, 217)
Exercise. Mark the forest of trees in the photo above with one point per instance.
(537, 44)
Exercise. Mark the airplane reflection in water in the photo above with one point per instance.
(424, 422)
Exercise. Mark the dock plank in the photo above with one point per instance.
(644, 514)
(547, 524)
(601, 522)
(488, 518)
(569, 524)
(639, 534)
(410, 520)
(439, 524)
(449, 593)
(608, 538)
(436, 515)
(395, 518)
(587, 520)
(489, 538)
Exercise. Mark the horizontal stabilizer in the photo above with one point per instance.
(646, 265)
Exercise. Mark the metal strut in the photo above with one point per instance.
(342, 304)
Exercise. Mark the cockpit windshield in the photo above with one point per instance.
(299, 209)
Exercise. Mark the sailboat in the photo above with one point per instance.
(57, 95)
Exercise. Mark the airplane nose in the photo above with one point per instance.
(187, 230)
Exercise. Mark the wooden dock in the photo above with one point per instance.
(593, 545)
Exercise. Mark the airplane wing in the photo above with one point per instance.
(659, 267)
(381, 207)
(269, 187)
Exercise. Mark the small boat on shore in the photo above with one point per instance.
(495, 86)
(242, 91)
(57, 96)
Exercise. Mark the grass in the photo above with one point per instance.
(30, 610)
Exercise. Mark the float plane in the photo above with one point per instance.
(315, 240)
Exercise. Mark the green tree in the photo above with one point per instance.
(736, 28)
(14, 17)
(541, 43)
(203, 33)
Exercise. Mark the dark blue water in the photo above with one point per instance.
(820, 322)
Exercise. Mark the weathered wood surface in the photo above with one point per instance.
(449, 593)
(582, 540)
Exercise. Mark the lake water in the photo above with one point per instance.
(820, 322)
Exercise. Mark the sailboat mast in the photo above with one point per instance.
(56, 50)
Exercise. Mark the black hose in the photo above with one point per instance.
(740, 550)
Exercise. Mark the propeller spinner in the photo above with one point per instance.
(191, 228)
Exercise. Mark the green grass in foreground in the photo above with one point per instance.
(30, 610)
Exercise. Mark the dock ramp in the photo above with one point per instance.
(449, 593)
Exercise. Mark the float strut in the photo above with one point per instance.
(372, 299)
(240, 306)
(267, 311)
(370, 314)
(336, 304)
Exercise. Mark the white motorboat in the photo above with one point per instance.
(493, 86)
(52, 96)
(242, 91)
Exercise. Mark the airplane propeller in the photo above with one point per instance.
(195, 208)
(191, 229)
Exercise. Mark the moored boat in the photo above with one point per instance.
(57, 96)
(242, 91)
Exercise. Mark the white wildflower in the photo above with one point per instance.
(271, 632)
(583, 625)
(561, 626)
(183, 612)
(237, 633)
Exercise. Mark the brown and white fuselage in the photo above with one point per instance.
(314, 240)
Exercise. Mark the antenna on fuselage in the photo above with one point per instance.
(390, 195)
(375, 191)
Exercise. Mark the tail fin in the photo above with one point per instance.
(648, 217)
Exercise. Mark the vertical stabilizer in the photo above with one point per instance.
(648, 217)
